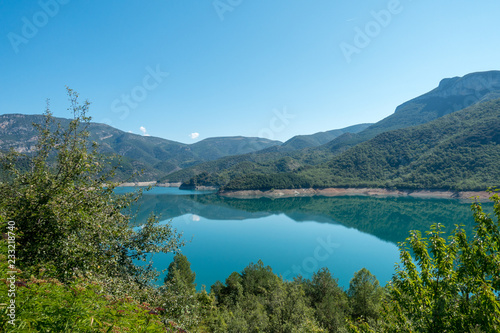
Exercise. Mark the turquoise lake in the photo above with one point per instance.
(294, 235)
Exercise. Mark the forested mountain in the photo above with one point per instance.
(451, 95)
(292, 154)
(158, 157)
(460, 151)
(216, 161)
(318, 139)
(155, 156)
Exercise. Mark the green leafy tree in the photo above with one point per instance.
(68, 219)
(230, 293)
(257, 300)
(328, 300)
(288, 309)
(258, 279)
(179, 272)
(449, 285)
(365, 296)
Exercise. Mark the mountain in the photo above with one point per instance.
(450, 96)
(208, 149)
(215, 161)
(318, 139)
(156, 156)
(459, 151)
(280, 158)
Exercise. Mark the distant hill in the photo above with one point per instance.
(459, 151)
(280, 158)
(155, 156)
(318, 139)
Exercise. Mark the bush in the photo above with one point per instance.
(68, 219)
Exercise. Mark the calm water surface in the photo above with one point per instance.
(294, 235)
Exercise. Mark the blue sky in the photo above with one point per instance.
(238, 67)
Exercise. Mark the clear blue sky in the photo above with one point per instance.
(233, 65)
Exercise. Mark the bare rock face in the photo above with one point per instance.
(17, 132)
(472, 88)
(475, 84)
(454, 94)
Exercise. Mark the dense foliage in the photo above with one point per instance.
(69, 219)
(44, 304)
(256, 300)
(449, 285)
(69, 224)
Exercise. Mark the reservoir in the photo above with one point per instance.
(295, 236)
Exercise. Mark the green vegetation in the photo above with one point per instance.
(318, 139)
(72, 239)
(450, 285)
(71, 256)
(179, 273)
(47, 305)
(221, 171)
(460, 151)
(69, 219)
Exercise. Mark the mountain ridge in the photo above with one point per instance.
(450, 96)
(220, 159)
(156, 156)
(459, 152)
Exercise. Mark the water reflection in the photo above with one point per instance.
(389, 219)
(295, 236)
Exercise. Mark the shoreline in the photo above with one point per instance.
(482, 196)
(151, 183)
(374, 192)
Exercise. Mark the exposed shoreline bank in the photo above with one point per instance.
(376, 192)
(332, 192)
(152, 183)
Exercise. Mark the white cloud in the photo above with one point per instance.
(195, 218)
(143, 130)
(194, 135)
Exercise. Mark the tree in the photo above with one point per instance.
(258, 279)
(68, 219)
(288, 309)
(327, 299)
(365, 295)
(257, 300)
(179, 272)
(450, 285)
(179, 296)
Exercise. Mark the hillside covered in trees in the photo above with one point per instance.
(459, 151)
(137, 157)
(451, 95)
